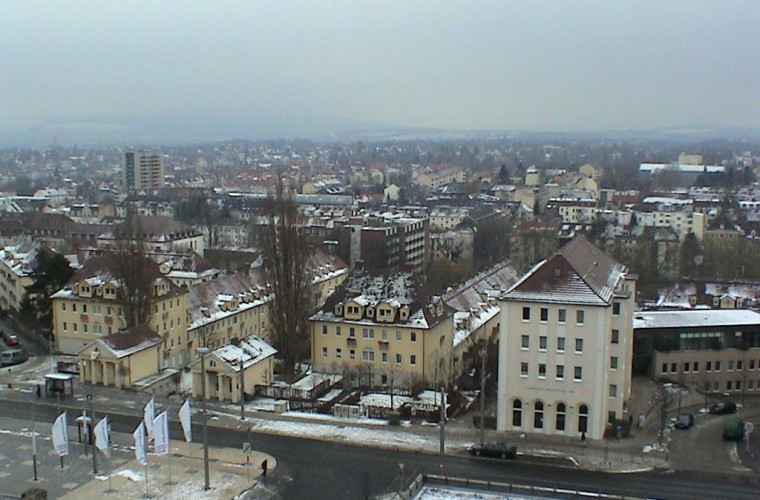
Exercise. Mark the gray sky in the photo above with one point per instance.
(538, 65)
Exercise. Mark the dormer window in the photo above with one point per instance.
(339, 309)
(370, 312)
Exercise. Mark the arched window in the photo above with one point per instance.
(583, 418)
(517, 413)
(538, 415)
(561, 411)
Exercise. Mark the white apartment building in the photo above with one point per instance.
(566, 345)
(143, 170)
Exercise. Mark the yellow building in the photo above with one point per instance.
(377, 331)
(252, 357)
(16, 262)
(88, 308)
(121, 359)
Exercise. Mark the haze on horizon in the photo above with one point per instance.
(538, 65)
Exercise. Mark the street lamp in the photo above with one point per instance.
(242, 390)
(203, 351)
(91, 434)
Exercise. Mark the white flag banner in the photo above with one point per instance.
(149, 414)
(184, 419)
(61, 435)
(139, 436)
(101, 436)
(161, 433)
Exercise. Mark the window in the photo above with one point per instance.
(730, 385)
(739, 364)
(324, 352)
(561, 412)
(578, 345)
(578, 373)
(562, 316)
(384, 357)
(613, 363)
(695, 366)
(63, 306)
(368, 333)
(324, 329)
(611, 416)
(337, 331)
(580, 316)
(338, 353)
(717, 366)
(64, 326)
(523, 369)
(96, 328)
(517, 413)
(84, 308)
(413, 337)
(582, 418)
(352, 354)
(544, 314)
(616, 308)
(542, 343)
(751, 364)
(526, 314)
(731, 365)
(368, 356)
(384, 335)
(74, 307)
(351, 332)
(96, 309)
(686, 367)
(398, 336)
(561, 344)
(525, 341)
(560, 372)
(538, 415)
(750, 384)
(541, 370)
(738, 385)
(413, 360)
(615, 336)
(664, 368)
(673, 368)
(613, 391)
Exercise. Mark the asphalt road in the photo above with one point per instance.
(318, 469)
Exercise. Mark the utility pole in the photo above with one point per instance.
(443, 423)
(203, 351)
(483, 353)
(34, 442)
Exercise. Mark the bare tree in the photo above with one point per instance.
(134, 270)
(287, 250)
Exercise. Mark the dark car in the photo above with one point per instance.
(10, 339)
(494, 450)
(684, 421)
(722, 408)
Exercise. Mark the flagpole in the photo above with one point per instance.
(58, 405)
(92, 416)
(34, 442)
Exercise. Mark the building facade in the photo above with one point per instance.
(143, 170)
(566, 343)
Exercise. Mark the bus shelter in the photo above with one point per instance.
(55, 383)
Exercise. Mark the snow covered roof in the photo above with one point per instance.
(126, 343)
(698, 318)
(579, 273)
(251, 350)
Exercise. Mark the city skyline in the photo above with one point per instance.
(258, 70)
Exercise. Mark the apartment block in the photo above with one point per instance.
(566, 341)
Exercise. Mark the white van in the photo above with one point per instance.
(13, 357)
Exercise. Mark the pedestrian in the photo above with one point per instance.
(583, 436)
(640, 423)
(630, 421)
(39, 391)
(264, 468)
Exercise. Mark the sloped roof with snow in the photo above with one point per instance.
(126, 343)
(700, 318)
(251, 350)
(579, 273)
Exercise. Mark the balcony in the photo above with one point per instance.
(383, 344)
(351, 341)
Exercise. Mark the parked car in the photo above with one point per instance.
(10, 339)
(684, 421)
(722, 408)
(494, 450)
(13, 357)
(733, 429)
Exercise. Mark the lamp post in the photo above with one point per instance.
(90, 434)
(242, 390)
(483, 354)
(203, 351)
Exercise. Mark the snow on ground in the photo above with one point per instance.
(436, 493)
(330, 395)
(383, 400)
(335, 420)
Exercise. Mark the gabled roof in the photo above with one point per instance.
(126, 343)
(251, 350)
(579, 273)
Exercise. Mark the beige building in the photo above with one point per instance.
(88, 308)
(121, 359)
(565, 345)
(16, 268)
(251, 360)
(161, 235)
(376, 331)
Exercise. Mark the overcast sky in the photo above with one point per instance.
(538, 65)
